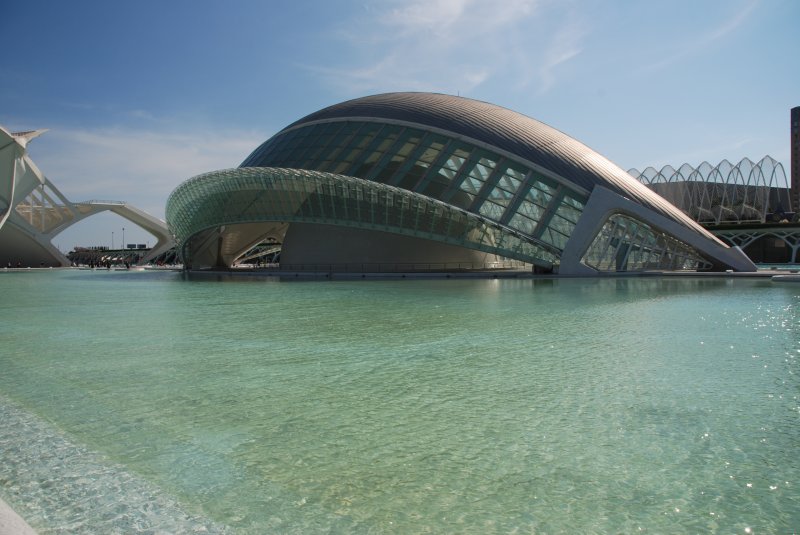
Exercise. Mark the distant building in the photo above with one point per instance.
(747, 192)
(33, 211)
(423, 181)
(795, 149)
(751, 205)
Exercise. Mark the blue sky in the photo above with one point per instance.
(140, 96)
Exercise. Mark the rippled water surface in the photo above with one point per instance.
(140, 402)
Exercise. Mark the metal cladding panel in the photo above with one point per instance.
(506, 130)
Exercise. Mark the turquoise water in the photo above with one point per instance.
(140, 402)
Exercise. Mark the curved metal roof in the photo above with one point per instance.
(507, 130)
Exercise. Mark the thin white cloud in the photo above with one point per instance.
(139, 166)
(731, 24)
(686, 47)
(453, 46)
(432, 16)
(565, 45)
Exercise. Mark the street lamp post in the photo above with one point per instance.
(112, 240)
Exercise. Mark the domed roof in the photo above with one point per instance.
(506, 130)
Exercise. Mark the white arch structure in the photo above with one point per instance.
(33, 211)
(723, 193)
(743, 236)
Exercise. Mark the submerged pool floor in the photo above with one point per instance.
(140, 402)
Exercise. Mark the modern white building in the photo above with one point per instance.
(33, 211)
(746, 192)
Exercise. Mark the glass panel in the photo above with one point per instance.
(388, 136)
(411, 139)
(554, 238)
(483, 169)
(509, 183)
(435, 147)
(543, 185)
(354, 149)
(523, 224)
(430, 149)
(265, 154)
(291, 152)
(539, 196)
(570, 210)
(491, 210)
(530, 210)
(511, 179)
(501, 196)
(439, 182)
(625, 244)
(333, 150)
(561, 225)
(471, 185)
(478, 174)
(457, 158)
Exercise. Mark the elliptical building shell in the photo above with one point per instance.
(408, 181)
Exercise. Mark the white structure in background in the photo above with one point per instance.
(747, 192)
(33, 211)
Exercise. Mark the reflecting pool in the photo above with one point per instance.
(140, 402)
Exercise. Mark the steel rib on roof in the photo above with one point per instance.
(507, 130)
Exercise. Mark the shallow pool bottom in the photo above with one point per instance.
(615, 405)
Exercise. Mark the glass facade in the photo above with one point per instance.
(446, 169)
(251, 195)
(625, 244)
(432, 164)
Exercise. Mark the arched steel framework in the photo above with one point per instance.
(745, 236)
(200, 210)
(722, 193)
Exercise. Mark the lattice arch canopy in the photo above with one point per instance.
(724, 193)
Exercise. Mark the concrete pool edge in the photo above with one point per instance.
(237, 274)
(40, 454)
(11, 523)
